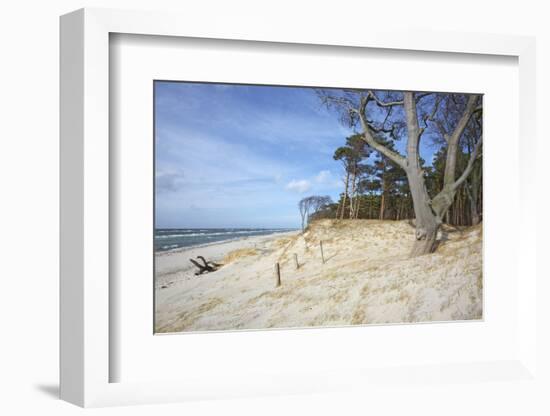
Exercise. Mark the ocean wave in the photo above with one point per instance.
(170, 246)
(205, 240)
(207, 234)
(179, 235)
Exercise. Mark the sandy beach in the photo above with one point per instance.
(367, 278)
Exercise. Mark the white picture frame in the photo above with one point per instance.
(86, 356)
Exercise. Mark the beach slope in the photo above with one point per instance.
(366, 278)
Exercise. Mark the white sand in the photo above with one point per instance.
(367, 278)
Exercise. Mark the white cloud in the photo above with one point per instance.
(299, 186)
(324, 176)
(327, 180)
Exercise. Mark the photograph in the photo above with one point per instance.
(279, 207)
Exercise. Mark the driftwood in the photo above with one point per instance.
(206, 267)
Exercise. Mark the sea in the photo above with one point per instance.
(167, 239)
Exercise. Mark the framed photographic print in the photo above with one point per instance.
(282, 207)
(252, 214)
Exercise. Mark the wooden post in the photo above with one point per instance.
(296, 261)
(322, 255)
(277, 275)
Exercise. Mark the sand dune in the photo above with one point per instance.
(367, 278)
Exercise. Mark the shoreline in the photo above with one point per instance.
(182, 249)
(174, 266)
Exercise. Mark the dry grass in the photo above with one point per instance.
(188, 318)
(239, 254)
(358, 317)
(282, 242)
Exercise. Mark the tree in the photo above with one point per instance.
(359, 151)
(312, 205)
(345, 155)
(409, 114)
(351, 156)
(473, 183)
(370, 187)
(467, 205)
(388, 175)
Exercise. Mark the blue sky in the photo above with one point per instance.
(241, 156)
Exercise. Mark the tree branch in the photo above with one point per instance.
(382, 103)
(387, 117)
(454, 140)
(418, 97)
(430, 117)
(442, 130)
(367, 136)
(470, 165)
(413, 130)
(466, 115)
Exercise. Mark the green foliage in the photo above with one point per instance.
(380, 180)
(377, 186)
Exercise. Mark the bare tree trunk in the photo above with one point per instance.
(459, 207)
(473, 188)
(303, 214)
(345, 197)
(463, 208)
(476, 218)
(472, 196)
(370, 207)
(352, 195)
(383, 198)
(399, 210)
(427, 224)
(456, 207)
